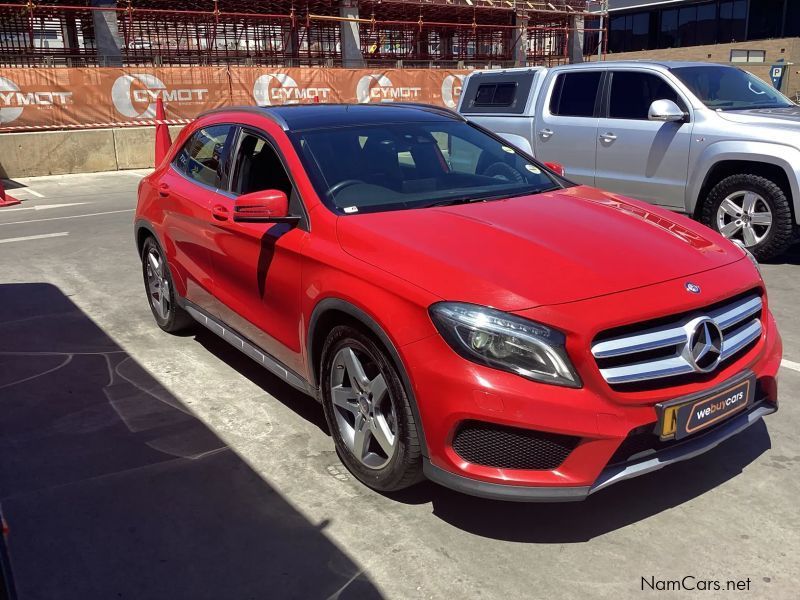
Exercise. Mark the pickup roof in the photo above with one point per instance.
(709, 140)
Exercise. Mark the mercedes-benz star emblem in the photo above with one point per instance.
(704, 347)
(692, 287)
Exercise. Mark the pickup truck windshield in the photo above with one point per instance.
(392, 166)
(728, 88)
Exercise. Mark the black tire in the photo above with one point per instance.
(175, 320)
(404, 467)
(781, 233)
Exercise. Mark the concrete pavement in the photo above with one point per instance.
(136, 464)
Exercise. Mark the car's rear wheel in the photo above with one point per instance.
(753, 211)
(368, 411)
(161, 293)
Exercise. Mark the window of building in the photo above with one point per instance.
(668, 36)
(732, 21)
(629, 33)
(687, 26)
(707, 23)
(766, 18)
(574, 94)
(632, 93)
(745, 56)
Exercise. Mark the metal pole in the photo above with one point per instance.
(603, 8)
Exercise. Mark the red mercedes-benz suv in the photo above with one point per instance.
(461, 311)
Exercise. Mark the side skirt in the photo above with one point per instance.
(241, 343)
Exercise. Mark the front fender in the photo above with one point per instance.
(785, 157)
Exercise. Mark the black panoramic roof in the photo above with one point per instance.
(297, 117)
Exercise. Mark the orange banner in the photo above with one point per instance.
(95, 96)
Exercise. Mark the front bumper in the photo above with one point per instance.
(685, 450)
(451, 391)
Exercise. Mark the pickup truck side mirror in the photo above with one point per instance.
(666, 111)
(266, 206)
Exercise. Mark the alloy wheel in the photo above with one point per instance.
(364, 408)
(744, 216)
(158, 283)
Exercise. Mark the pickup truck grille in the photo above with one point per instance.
(694, 343)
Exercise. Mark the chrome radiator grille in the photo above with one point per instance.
(696, 343)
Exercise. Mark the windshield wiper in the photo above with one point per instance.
(472, 199)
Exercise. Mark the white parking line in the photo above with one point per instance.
(788, 364)
(109, 212)
(43, 206)
(34, 237)
(21, 190)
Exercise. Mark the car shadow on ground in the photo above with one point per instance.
(608, 510)
(790, 257)
(110, 487)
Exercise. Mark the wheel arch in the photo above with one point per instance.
(144, 229)
(334, 311)
(718, 163)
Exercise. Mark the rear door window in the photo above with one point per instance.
(575, 94)
(202, 158)
(633, 92)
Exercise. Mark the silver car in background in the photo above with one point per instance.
(709, 140)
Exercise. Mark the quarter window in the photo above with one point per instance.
(632, 94)
(574, 94)
(202, 157)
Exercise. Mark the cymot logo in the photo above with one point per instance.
(13, 101)
(135, 95)
(451, 90)
(279, 88)
(379, 88)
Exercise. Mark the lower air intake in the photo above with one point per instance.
(511, 448)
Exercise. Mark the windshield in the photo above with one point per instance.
(728, 88)
(393, 166)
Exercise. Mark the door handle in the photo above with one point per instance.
(546, 133)
(163, 190)
(220, 212)
(608, 137)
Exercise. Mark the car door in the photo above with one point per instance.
(257, 266)
(566, 131)
(188, 190)
(643, 159)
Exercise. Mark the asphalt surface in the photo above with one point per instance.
(135, 464)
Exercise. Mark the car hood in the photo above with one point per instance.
(523, 252)
(783, 118)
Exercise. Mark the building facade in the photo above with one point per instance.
(636, 25)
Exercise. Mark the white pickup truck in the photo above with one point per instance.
(709, 140)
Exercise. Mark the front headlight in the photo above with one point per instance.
(504, 341)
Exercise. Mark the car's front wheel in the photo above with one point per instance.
(161, 291)
(752, 210)
(368, 411)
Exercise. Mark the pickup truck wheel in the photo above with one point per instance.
(752, 210)
(368, 412)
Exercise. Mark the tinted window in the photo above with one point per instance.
(201, 158)
(632, 94)
(732, 21)
(574, 94)
(707, 23)
(495, 94)
(257, 167)
(373, 168)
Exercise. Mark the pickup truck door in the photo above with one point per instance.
(647, 160)
(566, 130)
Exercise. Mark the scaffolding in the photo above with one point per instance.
(293, 33)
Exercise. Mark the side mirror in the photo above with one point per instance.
(666, 111)
(558, 168)
(266, 206)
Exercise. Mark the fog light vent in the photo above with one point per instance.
(504, 447)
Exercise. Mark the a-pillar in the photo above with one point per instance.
(349, 35)
(520, 39)
(107, 39)
(575, 47)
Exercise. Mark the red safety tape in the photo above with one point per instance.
(139, 123)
